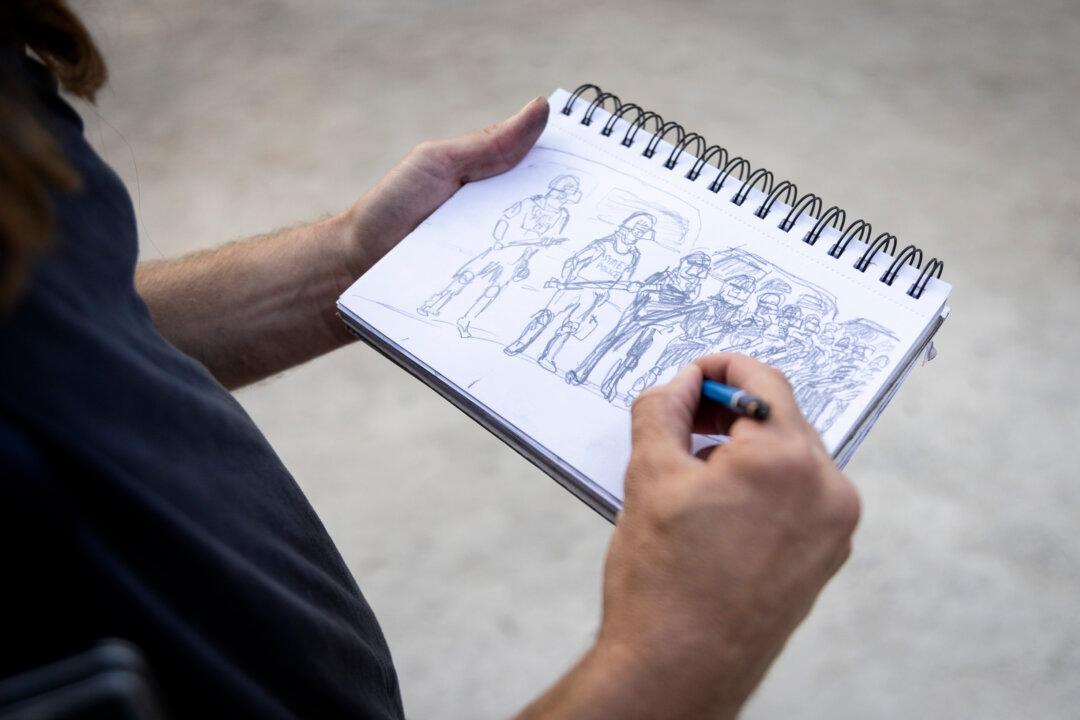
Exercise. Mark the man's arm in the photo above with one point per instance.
(259, 306)
(715, 559)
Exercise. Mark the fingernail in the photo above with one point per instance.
(682, 374)
(527, 105)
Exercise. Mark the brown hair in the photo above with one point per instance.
(31, 163)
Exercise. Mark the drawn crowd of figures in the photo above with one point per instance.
(704, 302)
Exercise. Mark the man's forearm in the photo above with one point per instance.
(259, 306)
(614, 682)
(254, 307)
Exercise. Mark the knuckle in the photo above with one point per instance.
(792, 464)
(846, 508)
(795, 459)
(646, 460)
(843, 553)
(650, 407)
(779, 376)
(426, 148)
(437, 154)
(647, 401)
(670, 510)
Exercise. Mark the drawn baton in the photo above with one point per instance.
(631, 285)
(542, 242)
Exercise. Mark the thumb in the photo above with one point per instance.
(662, 418)
(498, 147)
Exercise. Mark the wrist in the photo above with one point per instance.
(332, 266)
(676, 664)
(342, 240)
(601, 685)
(615, 679)
(371, 227)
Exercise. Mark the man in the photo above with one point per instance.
(586, 277)
(140, 501)
(660, 301)
(532, 223)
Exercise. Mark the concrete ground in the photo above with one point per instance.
(954, 124)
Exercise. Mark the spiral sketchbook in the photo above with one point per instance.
(543, 300)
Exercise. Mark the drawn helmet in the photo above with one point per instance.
(568, 186)
(768, 302)
(639, 226)
(739, 288)
(879, 363)
(812, 324)
(792, 315)
(694, 265)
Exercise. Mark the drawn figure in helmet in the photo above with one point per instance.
(584, 285)
(660, 302)
(775, 340)
(753, 328)
(703, 329)
(520, 232)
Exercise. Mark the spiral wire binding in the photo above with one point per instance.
(783, 191)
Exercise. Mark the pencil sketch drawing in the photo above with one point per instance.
(671, 229)
(705, 326)
(659, 302)
(587, 278)
(627, 295)
(844, 358)
(520, 232)
(763, 311)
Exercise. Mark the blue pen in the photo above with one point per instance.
(737, 400)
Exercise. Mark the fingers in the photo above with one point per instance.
(496, 148)
(754, 377)
(662, 418)
(713, 419)
(432, 172)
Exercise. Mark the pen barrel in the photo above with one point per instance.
(718, 392)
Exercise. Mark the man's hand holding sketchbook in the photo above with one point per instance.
(543, 301)
(580, 305)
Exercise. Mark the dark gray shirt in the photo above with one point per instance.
(138, 500)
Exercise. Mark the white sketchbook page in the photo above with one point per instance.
(454, 298)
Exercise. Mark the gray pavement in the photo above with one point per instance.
(953, 124)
